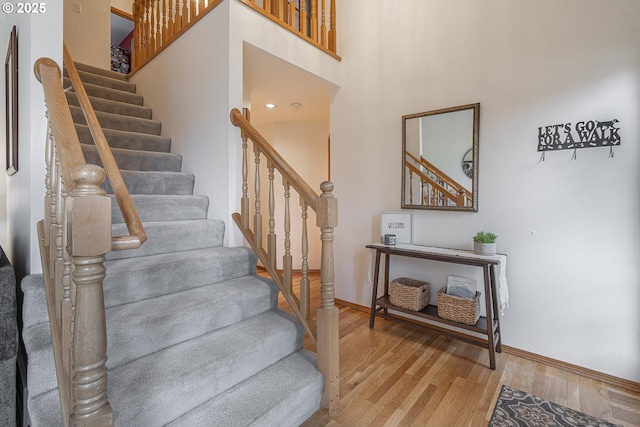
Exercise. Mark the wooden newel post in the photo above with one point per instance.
(89, 239)
(328, 314)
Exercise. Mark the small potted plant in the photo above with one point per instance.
(484, 243)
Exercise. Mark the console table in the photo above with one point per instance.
(488, 326)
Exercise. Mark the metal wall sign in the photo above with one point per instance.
(585, 134)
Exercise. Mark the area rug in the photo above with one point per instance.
(516, 408)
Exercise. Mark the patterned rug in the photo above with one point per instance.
(516, 408)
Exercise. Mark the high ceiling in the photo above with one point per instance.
(268, 79)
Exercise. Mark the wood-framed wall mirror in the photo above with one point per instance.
(440, 159)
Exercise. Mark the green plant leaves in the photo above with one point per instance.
(485, 237)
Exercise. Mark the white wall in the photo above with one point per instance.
(570, 228)
(189, 94)
(87, 33)
(39, 35)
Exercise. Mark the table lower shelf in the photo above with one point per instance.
(430, 312)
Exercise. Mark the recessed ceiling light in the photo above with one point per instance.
(296, 105)
(270, 106)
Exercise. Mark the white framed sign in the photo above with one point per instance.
(398, 224)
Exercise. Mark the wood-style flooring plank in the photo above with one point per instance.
(398, 375)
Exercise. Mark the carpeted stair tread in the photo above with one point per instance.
(172, 236)
(284, 395)
(153, 182)
(134, 279)
(101, 71)
(147, 326)
(44, 410)
(104, 81)
(115, 107)
(274, 397)
(41, 371)
(107, 93)
(136, 159)
(158, 323)
(164, 207)
(155, 389)
(128, 140)
(34, 306)
(119, 122)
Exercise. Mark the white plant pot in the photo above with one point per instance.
(484, 248)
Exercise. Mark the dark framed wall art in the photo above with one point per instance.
(11, 106)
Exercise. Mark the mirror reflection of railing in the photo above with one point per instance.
(159, 22)
(436, 187)
(439, 170)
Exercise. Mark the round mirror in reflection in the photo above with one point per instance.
(467, 163)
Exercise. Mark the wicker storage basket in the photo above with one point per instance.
(462, 310)
(409, 293)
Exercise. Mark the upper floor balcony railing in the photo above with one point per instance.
(159, 22)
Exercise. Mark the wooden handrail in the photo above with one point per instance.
(137, 235)
(68, 146)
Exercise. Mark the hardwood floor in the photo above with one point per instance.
(397, 375)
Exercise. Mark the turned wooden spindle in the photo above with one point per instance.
(332, 28)
(305, 294)
(291, 19)
(271, 237)
(323, 27)
(150, 32)
(157, 19)
(257, 216)
(303, 19)
(56, 237)
(244, 201)
(185, 13)
(48, 198)
(165, 23)
(192, 10)
(174, 18)
(287, 259)
(314, 20)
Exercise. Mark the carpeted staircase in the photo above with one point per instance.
(195, 337)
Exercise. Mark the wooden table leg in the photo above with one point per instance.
(488, 297)
(387, 257)
(374, 291)
(495, 297)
